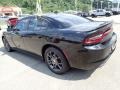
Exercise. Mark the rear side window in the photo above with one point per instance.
(43, 24)
(32, 24)
(68, 20)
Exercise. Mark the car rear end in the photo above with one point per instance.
(86, 43)
(96, 48)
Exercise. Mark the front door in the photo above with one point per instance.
(19, 32)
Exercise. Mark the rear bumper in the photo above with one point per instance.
(96, 64)
(92, 57)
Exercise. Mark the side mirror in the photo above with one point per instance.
(11, 28)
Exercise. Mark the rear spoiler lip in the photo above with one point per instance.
(102, 25)
(106, 23)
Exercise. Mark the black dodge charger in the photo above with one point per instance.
(64, 41)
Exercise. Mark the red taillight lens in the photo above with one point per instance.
(96, 38)
(93, 40)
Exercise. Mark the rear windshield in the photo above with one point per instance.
(69, 20)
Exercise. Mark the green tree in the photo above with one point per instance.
(48, 5)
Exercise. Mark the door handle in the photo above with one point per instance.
(40, 36)
(59, 38)
(28, 35)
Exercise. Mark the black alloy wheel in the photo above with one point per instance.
(56, 61)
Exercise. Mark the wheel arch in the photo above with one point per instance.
(93, 15)
(3, 37)
(49, 45)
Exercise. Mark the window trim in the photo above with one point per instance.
(29, 19)
(44, 19)
(21, 21)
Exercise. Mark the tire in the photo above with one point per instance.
(56, 61)
(93, 16)
(115, 13)
(107, 14)
(6, 45)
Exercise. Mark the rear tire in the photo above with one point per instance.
(56, 61)
(6, 45)
(93, 16)
(107, 14)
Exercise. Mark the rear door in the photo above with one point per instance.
(38, 29)
(31, 39)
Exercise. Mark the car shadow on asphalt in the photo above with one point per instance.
(36, 63)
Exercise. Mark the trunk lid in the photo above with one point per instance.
(101, 34)
(91, 26)
(87, 30)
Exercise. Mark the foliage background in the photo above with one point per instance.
(29, 6)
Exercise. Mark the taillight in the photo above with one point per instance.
(95, 39)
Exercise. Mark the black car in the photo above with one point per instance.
(63, 40)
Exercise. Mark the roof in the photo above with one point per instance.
(61, 15)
